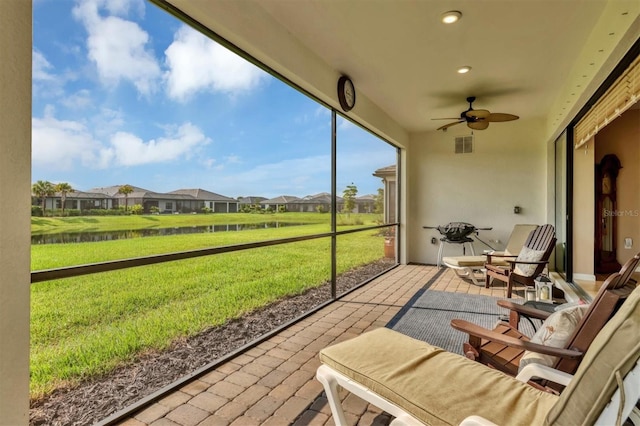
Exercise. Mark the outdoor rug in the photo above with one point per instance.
(428, 315)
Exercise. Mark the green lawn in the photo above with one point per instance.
(85, 326)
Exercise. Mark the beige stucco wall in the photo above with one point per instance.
(15, 177)
(507, 168)
(583, 211)
(622, 138)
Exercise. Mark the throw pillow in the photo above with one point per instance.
(556, 331)
(528, 255)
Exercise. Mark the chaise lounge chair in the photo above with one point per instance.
(465, 266)
(422, 384)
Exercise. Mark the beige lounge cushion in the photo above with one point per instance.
(471, 261)
(464, 261)
(435, 386)
(556, 331)
(616, 348)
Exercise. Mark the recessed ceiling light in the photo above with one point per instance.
(464, 70)
(451, 17)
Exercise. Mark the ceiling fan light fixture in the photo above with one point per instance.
(464, 70)
(451, 17)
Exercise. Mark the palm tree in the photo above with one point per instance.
(125, 190)
(43, 189)
(63, 188)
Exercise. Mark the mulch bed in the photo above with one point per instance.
(98, 398)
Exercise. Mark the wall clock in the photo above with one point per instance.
(346, 93)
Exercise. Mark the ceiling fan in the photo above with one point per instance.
(477, 119)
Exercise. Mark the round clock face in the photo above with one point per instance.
(346, 93)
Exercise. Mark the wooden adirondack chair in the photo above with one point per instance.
(504, 346)
(530, 263)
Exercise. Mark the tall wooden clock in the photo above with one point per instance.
(606, 215)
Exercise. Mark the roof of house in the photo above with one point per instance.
(321, 198)
(251, 199)
(385, 171)
(282, 199)
(202, 194)
(113, 190)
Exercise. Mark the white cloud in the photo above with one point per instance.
(129, 150)
(208, 162)
(67, 144)
(118, 47)
(41, 67)
(79, 100)
(61, 144)
(46, 82)
(233, 159)
(196, 63)
(344, 124)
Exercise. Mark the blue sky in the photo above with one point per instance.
(125, 93)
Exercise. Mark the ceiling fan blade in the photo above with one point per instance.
(477, 113)
(447, 118)
(478, 125)
(446, 126)
(500, 116)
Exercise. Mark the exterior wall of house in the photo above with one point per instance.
(221, 207)
(166, 206)
(508, 167)
(15, 185)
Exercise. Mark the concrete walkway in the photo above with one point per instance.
(274, 383)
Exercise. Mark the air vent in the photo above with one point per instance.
(464, 144)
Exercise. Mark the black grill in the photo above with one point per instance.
(456, 231)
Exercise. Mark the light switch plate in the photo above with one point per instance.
(628, 243)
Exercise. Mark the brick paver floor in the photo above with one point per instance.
(274, 383)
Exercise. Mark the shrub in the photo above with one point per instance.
(36, 211)
(137, 209)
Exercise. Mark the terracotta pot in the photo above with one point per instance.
(390, 247)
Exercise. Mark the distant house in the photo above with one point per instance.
(365, 204)
(179, 201)
(165, 203)
(317, 203)
(288, 202)
(249, 201)
(216, 202)
(76, 200)
(389, 178)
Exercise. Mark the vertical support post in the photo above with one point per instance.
(15, 190)
(334, 197)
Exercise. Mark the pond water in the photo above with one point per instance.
(90, 237)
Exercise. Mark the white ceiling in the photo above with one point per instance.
(402, 58)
